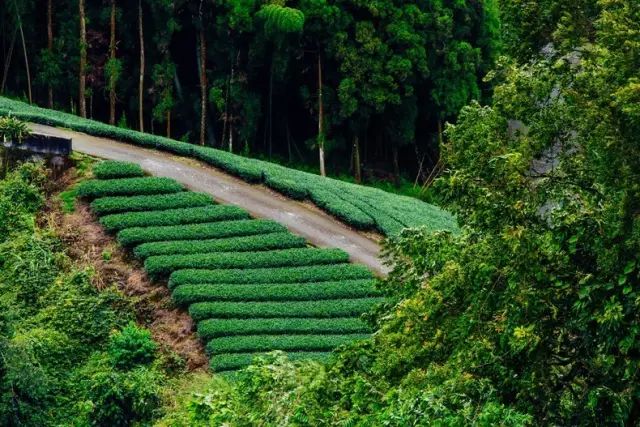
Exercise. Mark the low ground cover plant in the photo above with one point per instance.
(209, 230)
(180, 216)
(110, 169)
(118, 204)
(316, 273)
(128, 186)
(263, 343)
(258, 242)
(213, 328)
(165, 264)
(301, 309)
(188, 294)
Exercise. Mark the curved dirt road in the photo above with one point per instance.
(316, 226)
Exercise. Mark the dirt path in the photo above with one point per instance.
(303, 219)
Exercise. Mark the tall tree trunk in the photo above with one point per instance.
(141, 77)
(439, 133)
(82, 102)
(320, 119)
(50, 46)
(271, 110)
(26, 60)
(112, 56)
(356, 160)
(203, 78)
(7, 62)
(168, 123)
(396, 163)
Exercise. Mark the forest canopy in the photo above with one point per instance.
(368, 85)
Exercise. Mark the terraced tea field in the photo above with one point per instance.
(249, 284)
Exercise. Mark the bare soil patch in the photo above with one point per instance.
(89, 245)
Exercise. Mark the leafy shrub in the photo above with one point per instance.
(260, 242)
(240, 310)
(186, 199)
(233, 361)
(256, 343)
(131, 347)
(128, 186)
(165, 264)
(115, 397)
(110, 169)
(317, 273)
(137, 235)
(213, 328)
(187, 294)
(202, 214)
(13, 129)
(20, 197)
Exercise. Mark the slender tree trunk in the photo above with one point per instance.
(82, 102)
(439, 133)
(226, 106)
(396, 163)
(168, 123)
(26, 61)
(356, 160)
(203, 78)
(141, 77)
(7, 62)
(320, 119)
(50, 46)
(112, 56)
(271, 110)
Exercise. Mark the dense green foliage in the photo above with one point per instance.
(128, 186)
(196, 215)
(68, 354)
(110, 169)
(530, 315)
(162, 265)
(258, 242)
(384, 73)
(112, 205)
(357, 205)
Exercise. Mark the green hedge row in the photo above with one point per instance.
(119, 204)
(260, 242)
(258, 343)
(128, 186)
(110, 169)
(318, 273)
(165, 264)
(188, 294)
(234, 361)
(137, 235)
(201, 214)
(336, 197)
(243, 310)
(214, 328)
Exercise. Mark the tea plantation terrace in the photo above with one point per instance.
(249, 284)
(362, 207)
